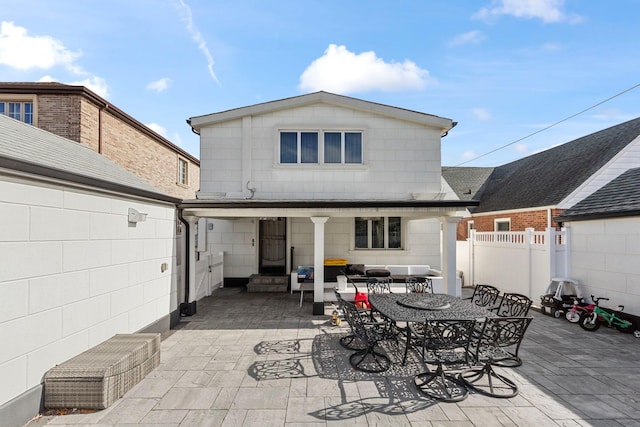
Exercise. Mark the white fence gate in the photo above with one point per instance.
(522, 262)
(209, 274)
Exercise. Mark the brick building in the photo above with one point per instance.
(76, 113)
(533, 191)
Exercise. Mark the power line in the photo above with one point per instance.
(552, 125)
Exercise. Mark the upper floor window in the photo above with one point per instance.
(378, 232)
(337, 147)
(298, 147)
(343, 147)
(22, 111)
(183, 172)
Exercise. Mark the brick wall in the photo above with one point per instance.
(79, 119)
(536, 219)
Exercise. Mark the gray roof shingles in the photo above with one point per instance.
(546, 178)
(620, 197)
(29, 144)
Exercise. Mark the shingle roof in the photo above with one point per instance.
(620, 197)
(546, 178)
(466, 182)
(24, 144)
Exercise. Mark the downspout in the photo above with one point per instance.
(186, 262)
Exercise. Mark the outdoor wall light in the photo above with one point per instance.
(135, 216)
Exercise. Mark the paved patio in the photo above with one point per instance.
(259, 359)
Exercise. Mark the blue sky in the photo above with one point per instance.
(502, 69)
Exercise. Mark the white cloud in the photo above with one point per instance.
(197, 37)
(521, 147)
(24, 52)
(481, 114)
(342, 71)
(157, 129)
(470, 37)
(546, 10)
(160, 85)
(21, 51)
(469, 155)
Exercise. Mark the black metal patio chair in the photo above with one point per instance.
(513, 305)
(443, 343)
(498, 346)
(419, 285)
(485, 295)
(370, 333)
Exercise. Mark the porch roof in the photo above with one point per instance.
(329, 208)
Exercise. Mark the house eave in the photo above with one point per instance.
(596, 215)
(198, 122)
(330, 208)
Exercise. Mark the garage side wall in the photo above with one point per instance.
(74, 272)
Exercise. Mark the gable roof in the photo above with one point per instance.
(546, 178)
(620, 197)
(26, 148)
(198, 122)
(466, 182)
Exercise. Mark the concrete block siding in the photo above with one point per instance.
(74, 272)
(400, 158)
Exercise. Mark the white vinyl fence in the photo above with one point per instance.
(522, 262)
(209, 274)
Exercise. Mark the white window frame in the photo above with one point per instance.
(321, 146)
(386, 234)
(183, 171)
(470, 226)
(22, 100)
(501, 221)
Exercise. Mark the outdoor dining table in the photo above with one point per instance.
(419, 307)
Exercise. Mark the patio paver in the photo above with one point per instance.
(250, 359)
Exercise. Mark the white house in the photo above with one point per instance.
(298, 180)
(87, 250)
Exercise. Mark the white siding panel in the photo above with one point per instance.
(14, 301)
(14, 378)
(15, 222)
(58, 224)
(46, 293)
(22, 260)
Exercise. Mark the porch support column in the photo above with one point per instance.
(318, 263)
(188, 304)
(449, 277)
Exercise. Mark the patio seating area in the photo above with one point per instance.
(260, 359)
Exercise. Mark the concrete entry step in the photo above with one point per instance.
(262, 283)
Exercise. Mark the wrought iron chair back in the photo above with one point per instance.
(485, 295)
(500, 340)
(366, 359)
(440, 338)
(378, 285)
(514, 305)
(420, 285)
(498, 345)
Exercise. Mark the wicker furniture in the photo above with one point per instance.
(99, 376)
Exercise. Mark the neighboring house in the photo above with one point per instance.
(76, 113)
(297, 180)
(532, 191)
(605, 249)
(74, 269)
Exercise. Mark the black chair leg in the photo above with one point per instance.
(351, 342)
(441, 386)
(487, 381)
(370, 361)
